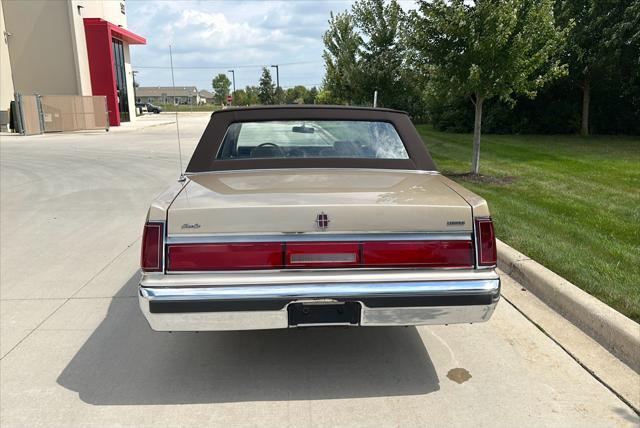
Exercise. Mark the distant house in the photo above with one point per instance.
(206, 97)
(187, 95)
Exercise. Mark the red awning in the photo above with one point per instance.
(99, 35)
(118, 32)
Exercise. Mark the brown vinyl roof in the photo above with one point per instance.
(204, 156)
(266, 108)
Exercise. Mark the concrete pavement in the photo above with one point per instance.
(77, 352)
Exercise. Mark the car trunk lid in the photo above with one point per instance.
(305, 201)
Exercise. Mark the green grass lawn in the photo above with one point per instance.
(573, 204)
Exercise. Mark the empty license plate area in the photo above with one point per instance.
(302, 314)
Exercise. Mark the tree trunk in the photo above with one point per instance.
(586, 100)
(477, 127)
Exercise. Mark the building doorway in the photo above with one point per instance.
(121, 81)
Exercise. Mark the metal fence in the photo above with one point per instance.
(28, 115)
(36, 114)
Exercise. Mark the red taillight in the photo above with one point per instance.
(152, 241)
(486, 242)
(449, 254)
(292, 255)
(322, 254)
(201, 257)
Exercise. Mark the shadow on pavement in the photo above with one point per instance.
(124, 362)
(626, 413)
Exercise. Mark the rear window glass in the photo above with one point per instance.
(312, 139)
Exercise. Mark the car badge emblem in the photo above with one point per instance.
(191, 226)
(322, 221)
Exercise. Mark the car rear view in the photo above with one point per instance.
(307, 216)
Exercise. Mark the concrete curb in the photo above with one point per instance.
(617, 333)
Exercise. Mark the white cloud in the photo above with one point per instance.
(214, 30)
(230, 34)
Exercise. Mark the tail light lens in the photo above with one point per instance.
(152, 242)
(293, 255)
(201, 257)
(432, 254)
(486, 242)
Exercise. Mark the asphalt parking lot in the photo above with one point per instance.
(77, 352)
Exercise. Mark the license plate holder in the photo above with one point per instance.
(310, 314)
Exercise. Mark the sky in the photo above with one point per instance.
(211, 37)
(239, 35)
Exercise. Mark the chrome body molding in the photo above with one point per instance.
(215, 321)
(428, 315)
(311, 276)
(386, 299)
(323, 291)
(318, 237)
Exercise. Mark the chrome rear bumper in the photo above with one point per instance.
(175, 303)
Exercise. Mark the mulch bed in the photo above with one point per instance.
(484, 179)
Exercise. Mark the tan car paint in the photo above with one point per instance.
(478, 204)
(277, 201)
(160, 205)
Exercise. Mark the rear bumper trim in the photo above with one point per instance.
(265, 306)
(227, 305)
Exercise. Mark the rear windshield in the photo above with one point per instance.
(312, 139)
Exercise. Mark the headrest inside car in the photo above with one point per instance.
(266, 152)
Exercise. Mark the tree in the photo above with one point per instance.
(289, 96)
(486, 49)
(253, 95)
(278, 95)
(599, 44)
(266, 89)
(221, 88)
(324, 96)
(382, 51)
(246, 97)
(240, 97)
(310, 98)
(341, 50)
(296, 95)
(622, 39)
(365, 52)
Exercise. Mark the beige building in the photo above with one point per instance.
(68, 47)
(187, 95)
(206, 97)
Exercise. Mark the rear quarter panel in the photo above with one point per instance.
(160, 205)
(478, 204)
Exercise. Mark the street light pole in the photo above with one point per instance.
(233, 77)
(277, 67)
